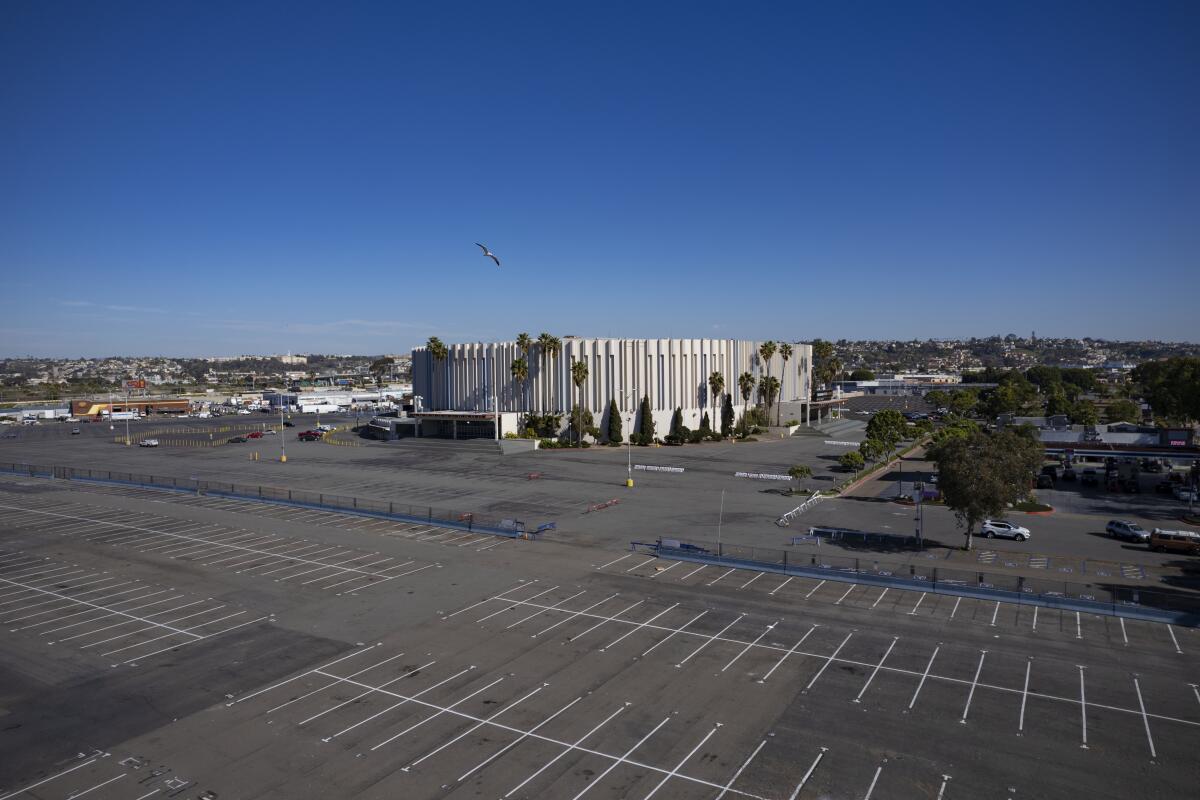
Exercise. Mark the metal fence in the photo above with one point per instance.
(390, 509)
(1181, 607)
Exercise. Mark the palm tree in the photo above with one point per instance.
(520, 370)
(785, 352)
(553, 349)
(768, 389)
(524, 343)
(544, 341)
(579, 376)
(746, 384)
(766, 351)
(716, 384)
(438, 352)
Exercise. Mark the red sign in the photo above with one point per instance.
(135, 384)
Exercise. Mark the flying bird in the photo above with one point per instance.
(488, 253)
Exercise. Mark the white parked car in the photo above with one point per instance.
(243, 411)
(1185, 494)
(148, 443)
(991, 528)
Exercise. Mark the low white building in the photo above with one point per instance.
(672, 373)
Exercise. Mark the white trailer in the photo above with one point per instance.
(319, 408)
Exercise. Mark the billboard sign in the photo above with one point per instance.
(137, 383)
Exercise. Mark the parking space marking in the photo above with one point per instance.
(170, 599)
(573, 615)
(693, 572)
(810, 591)
(544, 610)
(780, 586)
(256, 693)
(828, 661)
(838, 602)
(74, 795)
(742, 652)
(614, 561)
(89, 762)
(1145, 720)
(1024, 697)
(674, 631)
(100, 607)
(790, 650)
(473, 728)
(607, 620)
(658, 572)
(510, 608)
(382, 689)
(1035, 615)
(920, 600)
(675, 770)
(1124, 636)
(881, 595)
(1082, 708)
(639, 626)
(719, 577)
(740, 770)
(623, 759)
(874, 780)
(874, 672)
(568, 748)
(752, 580)
(437, 714)
(331, 684)
(709, 640)
(796, 792)
(1078, 626)
(524, 735)
(942, 788)
(974, 683)
(644, 563)
(1174, 641)
(995, 613)
(924, 675)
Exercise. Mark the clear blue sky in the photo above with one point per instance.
(215, 178)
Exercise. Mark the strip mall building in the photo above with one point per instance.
(475, 380)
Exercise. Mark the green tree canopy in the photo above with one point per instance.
(1123, 411)
(800, 471)
(1084, 412)
(862, 375)
(852, 460)
(1171, 387)
(963, 402)
(979, 475)
(888, 427)
(646, 419)
(727, 416)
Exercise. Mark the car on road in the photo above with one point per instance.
(269, 432)
(1129, 531)
(254, 435)
(1184, 493)
(992, 528)
(10, 436)
(237, 440)
(325, 428)
(310, 436)
(289, 424)
(75, 431)
(245, 411)
(1187, 542)
(148, 443)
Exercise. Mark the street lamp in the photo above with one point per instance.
(625, 395)
(282, 428)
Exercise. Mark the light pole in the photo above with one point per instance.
(282, 437)
(626, 395)
(720, 518)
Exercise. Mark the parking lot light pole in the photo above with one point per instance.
(720, 518)
(282, 438)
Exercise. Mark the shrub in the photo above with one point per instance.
(792, 422)
(696, 437)
(510, 435)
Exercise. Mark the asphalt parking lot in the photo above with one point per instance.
(160, 644)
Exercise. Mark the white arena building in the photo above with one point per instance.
(473, 385)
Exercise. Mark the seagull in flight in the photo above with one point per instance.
(488, 253)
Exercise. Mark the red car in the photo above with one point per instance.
(310, 436)
(254, 435)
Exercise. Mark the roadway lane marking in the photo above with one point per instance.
(810, 591)
(867, 685)
(791, 650)
(924, 675)
(885, 591)
(740, 770)
(828, 661)
(1024, 697)
(974, 683)
(1145, 720)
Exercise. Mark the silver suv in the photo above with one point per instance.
(1124, 529)
(992, 528)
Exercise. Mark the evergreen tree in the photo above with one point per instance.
(614, 422)
(705, 425)
(727, 416)
(677, 422)
(647, 419)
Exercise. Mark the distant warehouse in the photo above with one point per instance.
(473, 387)
(98, 408)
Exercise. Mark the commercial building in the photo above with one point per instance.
(98, 408)
(475, 379)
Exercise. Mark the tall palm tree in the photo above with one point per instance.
(553, 349)
(768, 388)
(543, 345)
(766, 351)
(785, 352)
(524, 343)
(746, 384)
(439, 352)
(716, 385)
(579, 376)
(520, 370)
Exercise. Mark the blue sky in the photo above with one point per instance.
(215, 178)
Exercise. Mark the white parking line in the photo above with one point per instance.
(875, 671)
(1082, 708)
(813, 589)
(622, 759)
(752, 580)
(644, 563)
(881, 594)
(105, 616)
(488, 600)
(569, 748)
(614, 561)
(656, 573)
(791, 650)
(606, 620)
(320, 689)
(719, 577)
(796, 792)
(94, 605)
(1145, 720)
(370, 689)
(510, 608)
(874, 780)
(1078, 626)
(682, 761)
(634, 630)
(767, 630)
(47, 780)
(104, 599)
(995, 613)
(304, 674)
(74, 795)
(572, 615)
(693, 572)
(740, 770)
(924, 675)
(709, 640)
(1174, 641)
(974, 683)
(828, 661)
(1035, 613)
(143, 630)
(474, 728)
(524, 735)
(1024, 696)
(920, 600)
(543, 610)
(838, 602)
(436, 714)
(1124, 636)
(674, 631)
(785, 583)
